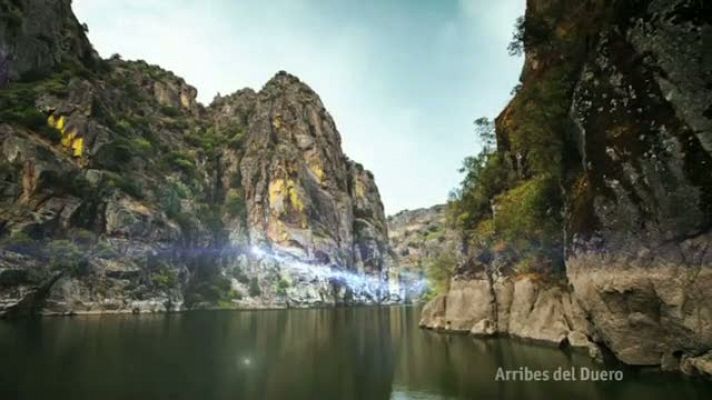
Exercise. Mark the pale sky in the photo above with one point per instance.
(403, 79)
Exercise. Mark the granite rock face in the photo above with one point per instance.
(119, 192)
(639, 254)
(636, 184)
(304, 198)
(37, 36)
(522, 307)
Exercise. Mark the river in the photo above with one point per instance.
(343, 353)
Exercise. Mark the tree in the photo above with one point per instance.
(529, 32)
(484, 128)
(65, 255)
(516, 46)
(439, 271)
(486, 175)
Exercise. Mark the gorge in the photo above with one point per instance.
(585, 223)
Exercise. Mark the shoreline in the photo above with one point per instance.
(92, 313)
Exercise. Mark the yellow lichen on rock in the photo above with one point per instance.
(280, 234)
(360, 189)
(295, 199)
(184, 100)
(70, 137)
(276, 188)
(78, 147)
(60, 123)
(281, 188)
(316, 169)
(277, 122)
(57, 123)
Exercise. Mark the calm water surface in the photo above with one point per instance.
(356, 353)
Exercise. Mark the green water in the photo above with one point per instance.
(357, 353)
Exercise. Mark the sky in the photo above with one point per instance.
(403, 79)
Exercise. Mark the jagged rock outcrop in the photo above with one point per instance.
(119, 192)
(304, 198)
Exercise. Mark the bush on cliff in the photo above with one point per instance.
(529, 211)
(439, 270)
(20, 242)
(66, 256)
(254, 288)
(486, 175)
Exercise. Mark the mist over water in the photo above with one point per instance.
(375, 286)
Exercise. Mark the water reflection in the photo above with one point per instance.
(347, 353)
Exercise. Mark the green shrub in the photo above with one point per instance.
(170, 111)
(235, 203)
(529, 220)
(74, 184)
(254, 288)
(187, 223)
(207, 139)
(171, 200)
(529, 33)
(66, 255)
(116, 155)
(240, 275)
(123, 127)
(214, 289)
(33, 120)
(164, 278)
(282, 286)
(17, 103)
(433, 235)
(83, 237)
(128, 185)
(538, 119)
(439, 271)
(486, 175)
(142, 145)
(182, 162)
(19, 242)
(178, 124)
(236, 140)
(105, 250)
(236, 179)
(131, 187)
(209, 216)
(530, 211)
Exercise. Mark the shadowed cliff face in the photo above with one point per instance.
(639, 218)
(120, 192)
(37, 36)
(623, 92)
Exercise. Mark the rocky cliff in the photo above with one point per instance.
(418, 238)
(120, 192)
(617, 96)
